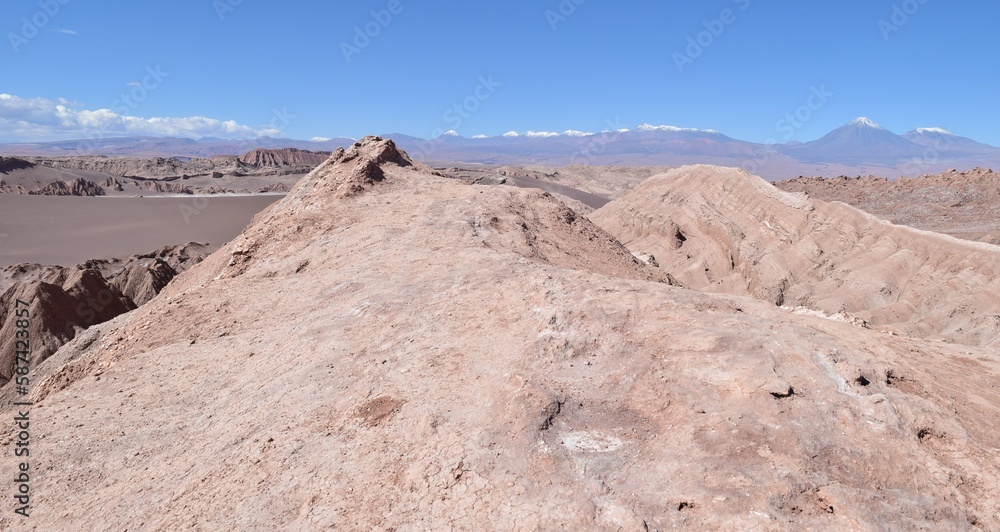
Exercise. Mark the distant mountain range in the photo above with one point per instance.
(860, 147)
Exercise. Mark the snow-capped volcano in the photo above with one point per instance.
(674, 129)
(859, 140)
(864, 121)
(932, 130)
(942, 140)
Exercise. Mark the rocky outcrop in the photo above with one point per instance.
(165, 187)
(274, 187)
(141, 277)
(65, 301)
(115, 184)
(76, 187)
(263, 158)
(9, 164)
(218, 190)
(141, 282)
(61, 304)
(349, 172)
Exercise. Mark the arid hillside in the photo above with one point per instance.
(389, 349)
(261, 158)
(962, 204)
(723, 230)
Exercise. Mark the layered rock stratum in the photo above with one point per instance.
(389, 349)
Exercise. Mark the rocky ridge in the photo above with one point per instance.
(76, 187)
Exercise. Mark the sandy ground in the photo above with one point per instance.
(69, 230)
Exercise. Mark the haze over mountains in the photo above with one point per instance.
(860, 147)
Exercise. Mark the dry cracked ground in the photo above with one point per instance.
(389, 349)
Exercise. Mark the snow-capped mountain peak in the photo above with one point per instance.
(864, 121)
(938, 130)
(650, 127)
(450, 133)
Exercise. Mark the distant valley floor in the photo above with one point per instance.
(69, 230)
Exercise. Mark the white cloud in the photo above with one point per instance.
(40, 119)
(134, 84)
(511, 134)
(575, 133)
(67, 32)
(320, 139)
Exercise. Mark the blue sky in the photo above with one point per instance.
(249, 67)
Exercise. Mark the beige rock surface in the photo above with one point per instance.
(723, 230)
(386, 349)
